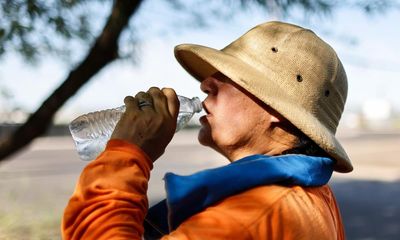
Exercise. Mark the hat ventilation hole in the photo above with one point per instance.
(274, 49)
(299, 78)
(327, 93)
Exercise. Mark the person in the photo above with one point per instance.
(274, 100)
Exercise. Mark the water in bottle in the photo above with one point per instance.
(92, 131)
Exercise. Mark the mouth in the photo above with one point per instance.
(205, 108)
(203, 119)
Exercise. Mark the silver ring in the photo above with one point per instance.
(144, 103)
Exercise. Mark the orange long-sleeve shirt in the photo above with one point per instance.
(110, 202)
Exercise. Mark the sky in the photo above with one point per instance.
(367, 45)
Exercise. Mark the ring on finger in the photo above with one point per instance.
(144, 103)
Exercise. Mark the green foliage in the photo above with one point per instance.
(324, 6)
(285, 6)
(377, 6)
(62, 27)
(281, 9)
(32, 27)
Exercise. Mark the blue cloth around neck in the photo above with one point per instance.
(188, 195)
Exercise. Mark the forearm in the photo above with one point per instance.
(110, 198)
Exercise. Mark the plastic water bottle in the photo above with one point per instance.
(91, 131)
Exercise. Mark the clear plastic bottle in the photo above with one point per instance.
(91, 131)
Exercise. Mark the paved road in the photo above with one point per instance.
(37, 183)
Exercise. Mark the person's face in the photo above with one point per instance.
(236, 123)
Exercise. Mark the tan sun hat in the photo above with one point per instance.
(290, 69)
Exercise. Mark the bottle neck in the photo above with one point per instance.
(197, 105)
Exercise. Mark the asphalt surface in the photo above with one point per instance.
(36, 184)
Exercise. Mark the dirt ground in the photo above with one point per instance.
(36, 183)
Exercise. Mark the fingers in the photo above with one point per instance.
(144, 101)
(131, 103)
(160, 100)
(164, 101)
(173, 102)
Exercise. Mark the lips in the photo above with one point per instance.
(203, 119)
(205, 108)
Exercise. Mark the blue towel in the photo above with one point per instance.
(188, 195)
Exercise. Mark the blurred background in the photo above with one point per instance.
(63, 58)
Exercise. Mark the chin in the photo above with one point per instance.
(204, 137)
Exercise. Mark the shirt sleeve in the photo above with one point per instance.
(109, 201)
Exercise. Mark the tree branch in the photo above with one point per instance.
(103, 52)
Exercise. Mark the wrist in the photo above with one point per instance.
(127, 146)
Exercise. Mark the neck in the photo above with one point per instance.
(271, 144)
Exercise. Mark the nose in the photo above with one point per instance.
(209, 86)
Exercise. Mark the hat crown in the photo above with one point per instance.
(298, 61)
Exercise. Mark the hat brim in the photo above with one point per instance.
(201, 62)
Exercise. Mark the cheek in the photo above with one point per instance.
(228, 126)
(233, 120)
(217, 131)
(242, 123)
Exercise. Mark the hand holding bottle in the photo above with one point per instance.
(149, 120)
(91, 131)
